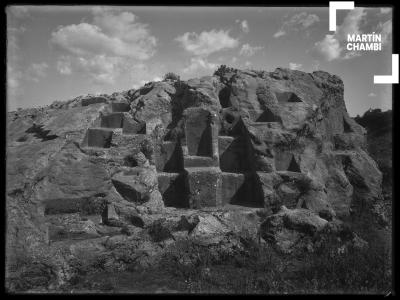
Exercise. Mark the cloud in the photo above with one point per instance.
(36, 71)
(13, 79)
(89, 39)
(279, 33)
(330, 47)
(141, 73)
(295, 66)
(372, 95)
(248, 50)
(112, 34)
(207, 42)
(296, 23)
(19, 11)
(13, 36)
(104, 48)
(386, 10)
(199, 64)
(100, 69)
(64, 66)
(244, 25)
(351, 23)
(385, 30)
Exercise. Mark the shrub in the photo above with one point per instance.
(171, 76)
(222, 70)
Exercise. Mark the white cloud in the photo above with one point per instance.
(351, 23)
(13, 79)
(248, 50)
(88, 39)
(100, 69)
(141, 73)
(279, 33)
(248, 64)
(385, 10)
(297, 22)
(105, 47)
(111, 34)
(199, 64)
(330, 47)
(207, 42)
(372, 95)
(316, 65)
(244, 25)
(37, 71)
(13, 36)
(157, 78)
(64, 66)
(385, 30)
(295, 66)
(19, 11)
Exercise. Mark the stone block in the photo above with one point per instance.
(204, 185)
(169, 157)
(131, 126)
(93, 100)
(98, 137)
(120, 107)
(173, 188)
(232, 156)
(232, 187)
(198, 131)
(199, 161)
(112, 120)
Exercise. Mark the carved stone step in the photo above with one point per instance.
(199, 161)
(98, 137)
(120, 107)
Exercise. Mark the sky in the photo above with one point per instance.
(61, 52)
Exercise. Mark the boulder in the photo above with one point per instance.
(287, 227)
(209, 230)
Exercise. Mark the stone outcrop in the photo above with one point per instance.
(202, 159)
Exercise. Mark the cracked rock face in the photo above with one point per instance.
(200, 159)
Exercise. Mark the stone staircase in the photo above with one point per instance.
(115, 124)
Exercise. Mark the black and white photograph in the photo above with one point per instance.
(199, 149)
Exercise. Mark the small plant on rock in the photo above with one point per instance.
(171, 76)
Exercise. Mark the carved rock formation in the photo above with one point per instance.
(141, 163)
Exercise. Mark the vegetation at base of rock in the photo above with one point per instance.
(171, 76)
(190, 268)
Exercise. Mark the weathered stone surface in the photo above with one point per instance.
(208, 231)
(169, 157)
(232, 187)
(152, 104)
(173, 188)
(203, 185)
(198, 132)
(287, 227)
(93, 100)
(120, 107)
(135, 184)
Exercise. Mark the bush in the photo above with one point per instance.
(171, 76)
(222, 70)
